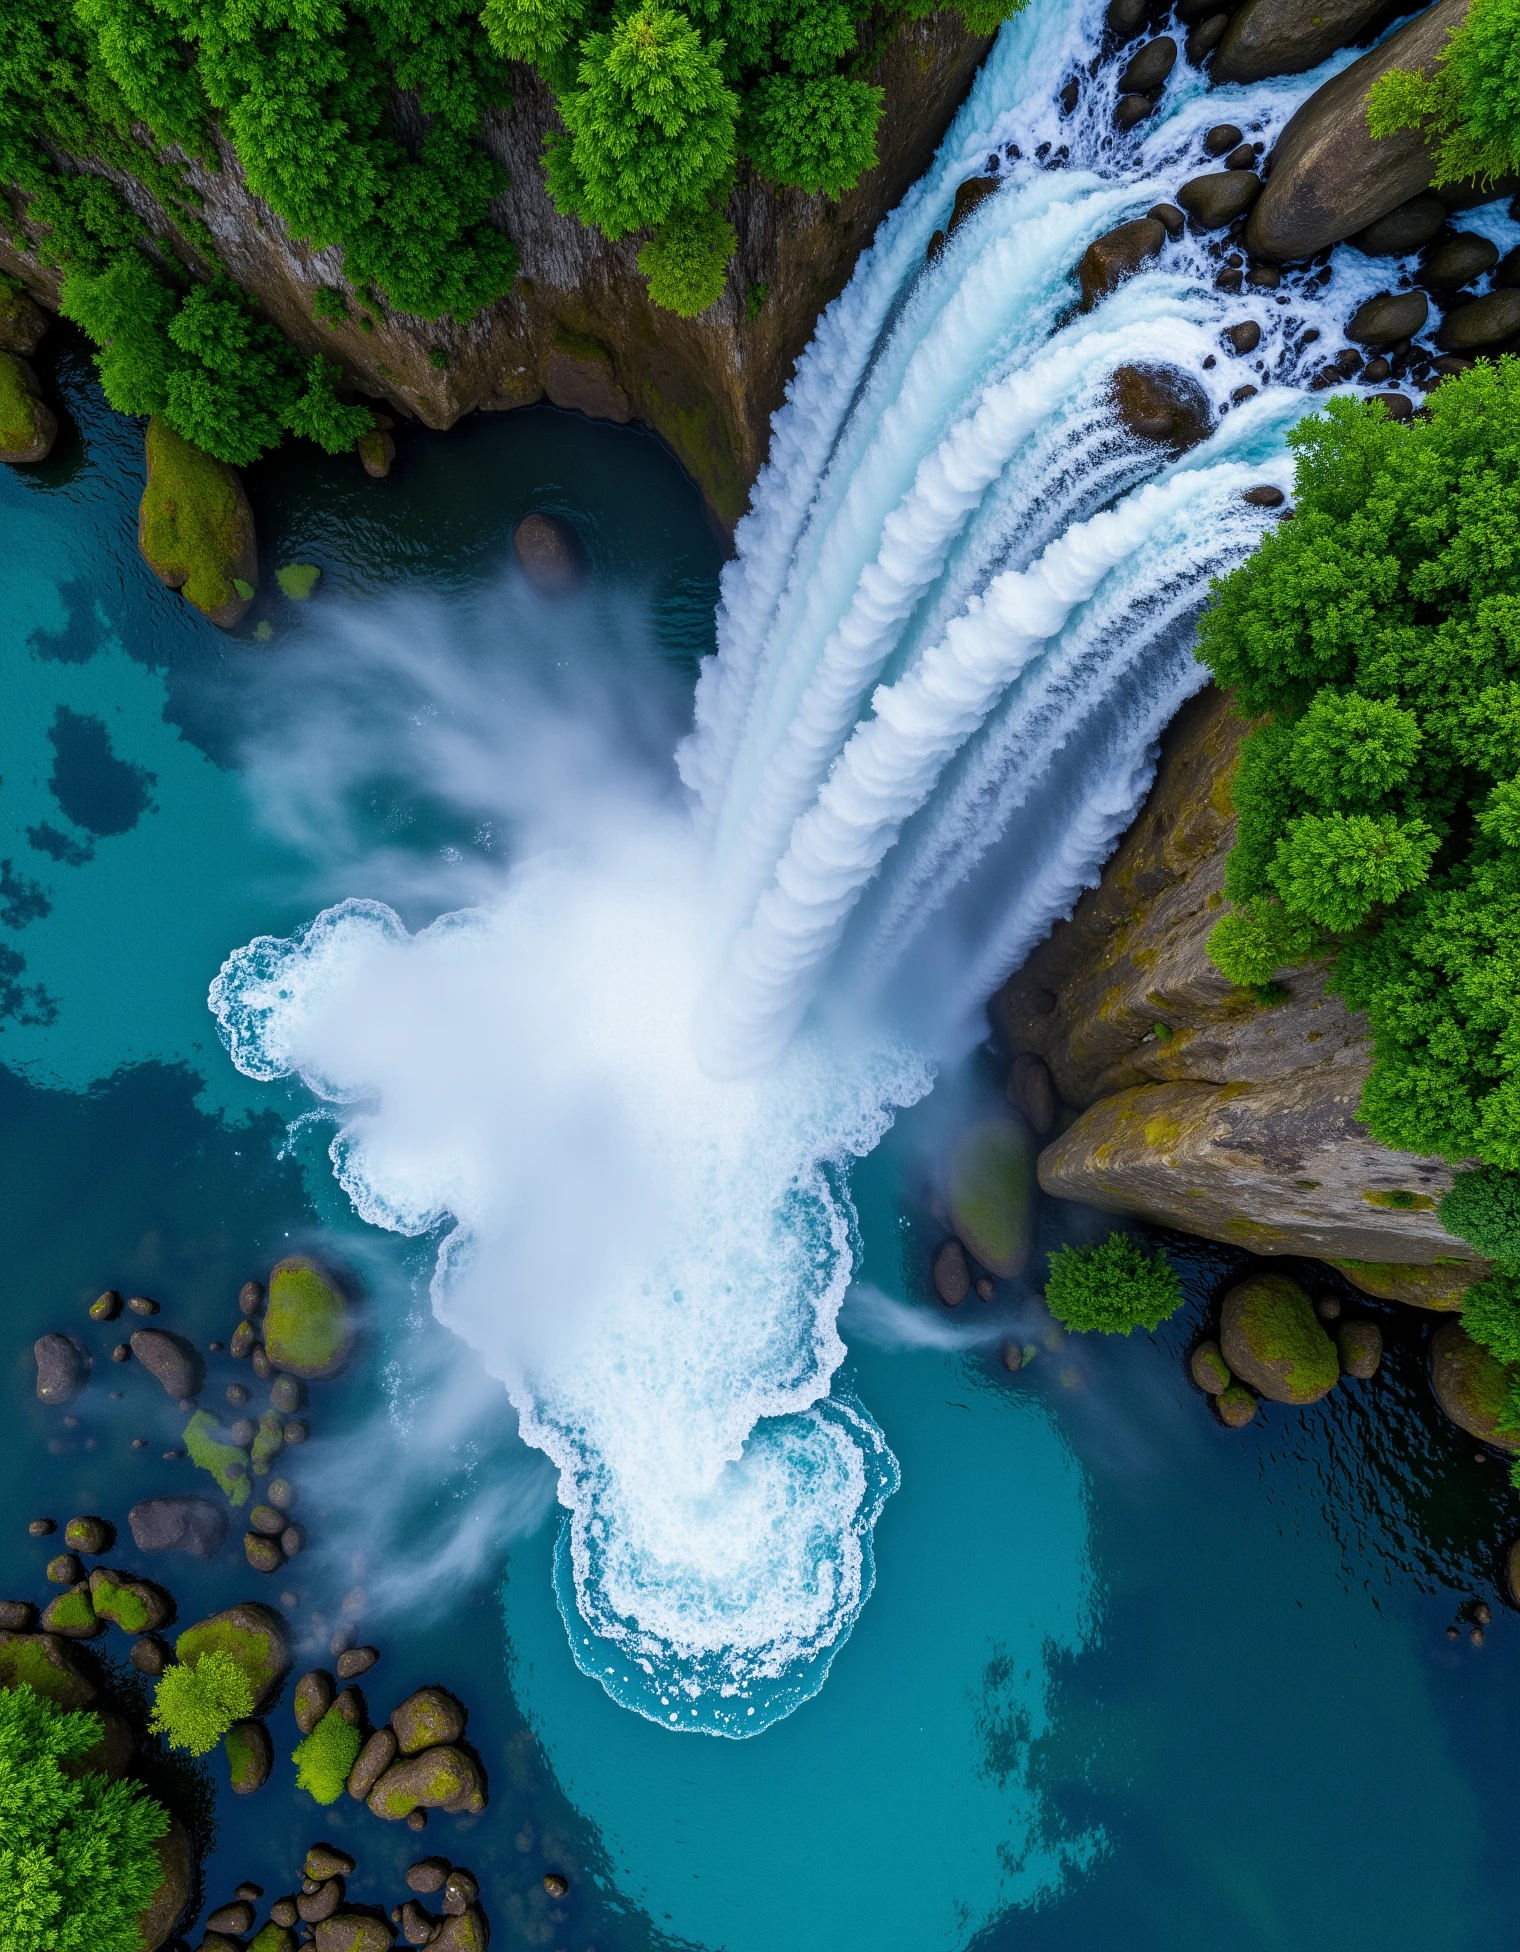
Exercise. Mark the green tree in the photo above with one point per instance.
(1334, 868)
(1483, 1207)
(194, 1706)
(319, 415)
(1470, 105)
(325, 1758)
(1113, 1287)
(686, 260)
(816, 133)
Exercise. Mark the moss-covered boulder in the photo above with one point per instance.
(1472, 1386)
(1209, 1369)
(990, 1190)
(1272, 1339)
(134, 1605)
(28, 426)
(253, 1635)
(1440, 1286)
(446, 1778)
(306, 1325)
(1236, 1406)
(72, 1615)
(427, 1719)
(161, 1914)
(195, 528)
(22, 322)
(354, 1931)
(250, 1756)
(1361, 1349)
(45, 1664)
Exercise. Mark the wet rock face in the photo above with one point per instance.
(1472, 1386)
(1483, 323)
(1162, 404)
(1407, 228)
(1388, 318)
(1288, 37)
(1218, 198)
(989, 1187)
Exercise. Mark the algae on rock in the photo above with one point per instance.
(195, 528)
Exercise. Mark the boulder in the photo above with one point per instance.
(968, 197)
(286, 1395)
(17, 1616)
(172, 1360)
(72, 1615)
(417, 1924)
(1162, 404)
(1330, 177)
(45, 1664)
(1219, 197)
(263, 1554)
(445, 1778)
(1032, 1092)
(1361, 1349)
(306, 1325)
(1472, 1386)
(106, 1307)
(253, 1635)
(66, 1569)
(1244, 337)
(149, 1655)
(377, 451)
(990, 1182)
(161, 1913)
(111, 1755)
(952, 1275)
(1149, 68)
(192, 1525)
(427, 1718)
(546, 549)
(1408, 228)
(326, 1860)
(1459, 260)
(1205, 37)
(1272, 1339)
(354, 1931)
(134, 1605)
(22, 323)
(1209, 1369)
(428, 1874)
(1116, 255)
(28, 426)
(1388, 318)
(90, 1535)
(313, 1906)
(354, 1661)
(1288, 37)
(1481, 323)
(313, 1697)
(236, 1917)
(250, 1756)
(195, 528)
(63, 1367)
(371, 1763)
(460, 1890)
(465, 1932)
(1236, 1406)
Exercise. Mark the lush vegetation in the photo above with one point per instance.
(1470, 105)
(77, 1857)
(326, 1756)
(1113, 1287)
(195, 1704)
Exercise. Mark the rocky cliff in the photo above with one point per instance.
(1206, 1107)
(578, 326)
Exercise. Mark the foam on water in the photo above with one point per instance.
(625, 1092)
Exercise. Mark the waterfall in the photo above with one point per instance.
(624, 1091)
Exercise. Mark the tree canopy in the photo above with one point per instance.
(1470, 105)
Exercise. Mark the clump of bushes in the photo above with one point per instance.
(326, 1756)
(1470, 105)
(195, 1705)
(1112, 1287)
(77, 1857)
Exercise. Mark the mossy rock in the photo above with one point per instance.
(990, 1189)
(427, 1719)
(298, 580)
(1209, 1369)
(1236, 1406)
(1272, 1339)
(22, 322)
(134, 1605)
(444, 1778)
(253, 1635)
(273, 1938)
(110, 1756)
(1441, 1286)
(162, 1912)
(306, 1325)
(44, 1663)
(72, 1615)
(226, 1462)
(195, 528)
(28, 426)
(250, 1756)
(1472, 1386)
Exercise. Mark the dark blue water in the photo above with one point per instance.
(1125, 1677)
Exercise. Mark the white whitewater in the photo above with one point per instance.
(959, 617)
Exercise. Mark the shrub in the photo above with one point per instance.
(1113, 1287)
(77, 1857)
(194, 1706)
(1491, 1315)
(686, 261)
(1483, 1207)
(1470, 106)
(324, 1759)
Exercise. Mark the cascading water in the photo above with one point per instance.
(959, 617)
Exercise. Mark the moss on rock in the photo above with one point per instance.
(990, 1190)
(1472, 1386)
(445, 1778)
(250, 1756)
(1236, 1406)
(306, 1325)
(1272, 1339)
(22, 322)
(42, 1662)
(1209, 1369)
(226, 1462)
(72, 1615)
(134, 1605)
(1440, 1285)
(195, 528)
(28, 426)
(253, 1635)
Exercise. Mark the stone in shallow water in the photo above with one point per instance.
(1209, 1369)
(1272, 1339)
(952, 1276)
(172, 1360)
(427, 1718)
(990, 1192)
(1361, 1348)
(1236, 1406)
(546, 549)
(306, 1325)
(1472, 1386)
(192, 1525)
(63, 1367)
(1162, 404)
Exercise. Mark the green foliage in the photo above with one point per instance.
(324, 1759)
(1483, 1208)
(814, 134)
(1379, 633)
(195, 1704)
(329, 304)
(317, 413)
(686, 260)
(1112, 1287)
(1491, 1315)
(1470, 106)
(226, 1463)
(77, 1862)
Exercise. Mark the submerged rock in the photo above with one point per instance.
(1116, 255)
(192, 1525)
(63, 1367)
(546, 547)
(1162, 404)
(1236, 1406)
(952, 1275)
(23, 323)
(1209, 1369)
(195, 528)
(1472, 1386)
(306, 1325)
(989, 1188)
(172, 1360)
(1272, 1339)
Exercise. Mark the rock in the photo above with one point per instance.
(1404, 229)
(1472, 1386)
(1272, 1339)
(417, 1925)
(1209, 1369)
(135, 1605)
(264, 1555)
(43, 1661)
(1124, 17)
(989, 1188)
(371, 1763)
(1170, 218)
(968, 196)
(268, 1520)
(1266, 496)
(428, 1874)
(460, 1890)
(444, 1778)
(236, 1917)
(253, 1635)
(547, 550)
(1440, 1287)
(172, 1360)
(1327, 1307)
(313, 1906)
(195, 528)
(952, 1276)
(1459, 260)
(1162, 404)
(306, 1325)
(251, 1300)
(326, 1860)
(1205, 37)
(72, 1615)
(313, 1697)
(283, 1912)
(356, 1661)
(292, 1541)
(377, 451)
(1218, 198)
(1117, 255)
(161, 1914)
(189, 1524)
(268, 1441)
(65, 1569)
(1388, 318)
(23, 323)
(427, 1718)
(1512, 1571)
(353, 1931)
(286, 1395)
(417, 1820)
(149, 1655)
(465, 1932)
(1132, 109)
(1032, 1093)
(579, 375)
(1236, 1406)
(1222, 138)
(1288, 37)
(106, 1307)
(1148, 70)
(1399, 406)
(1244, 337)
(17, 1616)
(1361, 1349)
(1012, 1357)
(350, 1705)
(1330, 177)
(90, 1535)
(28, 426)
(243, 1432)
(42, 1528)
(111, 1755)
(142, 1304)
(1480, 323)
(63, 1367)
